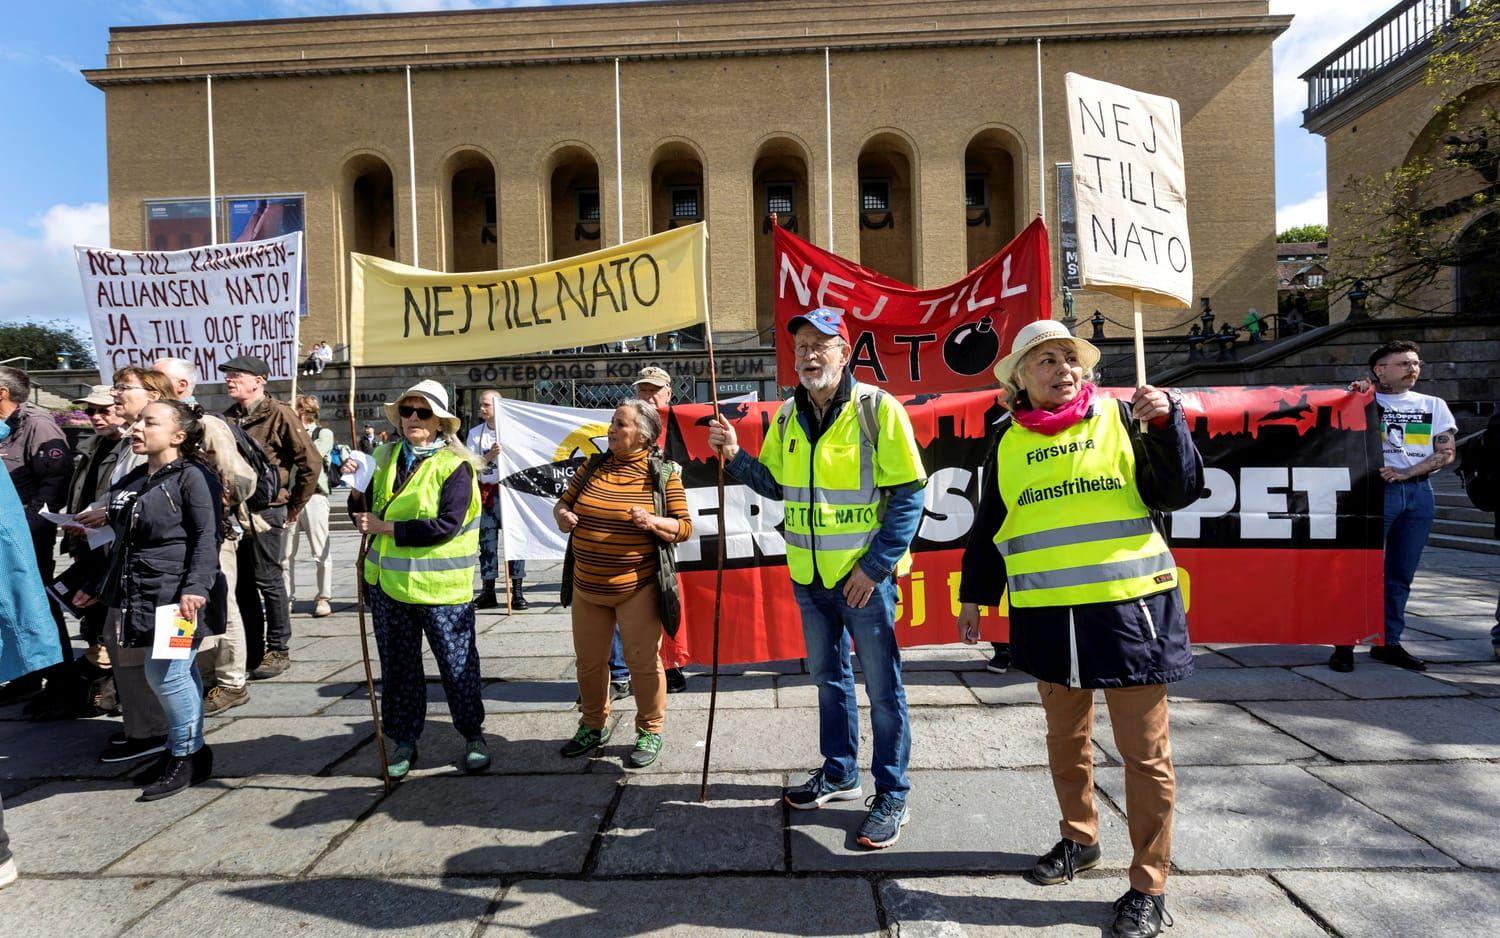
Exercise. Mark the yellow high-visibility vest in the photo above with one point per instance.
(438, 575)
(1076, 530)
(831, 491)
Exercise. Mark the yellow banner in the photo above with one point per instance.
(405, 315)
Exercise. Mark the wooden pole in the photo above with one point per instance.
(359, 596)
(713, 390)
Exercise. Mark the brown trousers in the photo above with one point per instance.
(1139, 718)
(639, 618)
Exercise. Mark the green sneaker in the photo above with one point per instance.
(476, 756)
(647, 745)
(585, 739)
(402, 761)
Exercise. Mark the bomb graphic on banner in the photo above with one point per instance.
(972, 348)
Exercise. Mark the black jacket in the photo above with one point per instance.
(1143, 641)
(166, 545)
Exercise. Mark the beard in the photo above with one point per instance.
(826, 381)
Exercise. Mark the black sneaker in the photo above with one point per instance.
(179, 774)
(618, 689)
(882, 826)
(1000, 661)
(1342, 659)
(1065, 859)
(134, 749)
(676, 681)
(818, 791)
(1398, 656)
(1138, 915)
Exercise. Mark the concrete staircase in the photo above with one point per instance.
(1459, 525)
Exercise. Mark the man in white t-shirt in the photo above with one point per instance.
(1418, 437)
(484, 442)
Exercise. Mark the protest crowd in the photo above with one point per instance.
(181, 529)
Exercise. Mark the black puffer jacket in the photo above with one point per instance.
(1142, 641)
(166, 545)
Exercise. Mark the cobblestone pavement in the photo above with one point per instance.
(1309, 802)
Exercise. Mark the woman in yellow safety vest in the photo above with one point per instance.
(421, 515)
(1069, 515)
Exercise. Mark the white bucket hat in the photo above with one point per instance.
(1036, 333)
(437, 398)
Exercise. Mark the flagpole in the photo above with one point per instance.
(213, 194)
(713, 390)
(411, 166)
(1041, 139)
(619, 166)
(359, 586)
(828, 134)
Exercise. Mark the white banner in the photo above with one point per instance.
(540, 447)
(206, 305)
(1130, 188)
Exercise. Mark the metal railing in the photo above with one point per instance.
(1402, 32)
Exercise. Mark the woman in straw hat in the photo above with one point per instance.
(1070, 516)
(421, 513)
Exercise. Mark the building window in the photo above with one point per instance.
(685, 202)
(875, 195)
(976, 191)
(1315, 280)
(779, 198)
(588, 205)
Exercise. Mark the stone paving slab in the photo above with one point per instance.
(1482, 679)
(744, 741)
(1454, 626)
(1453, 650)
(1379, 905)
(1450, 805)
(272, 825)
(1371, 680)
(660, 826)
(923, 689)
(979, 906)
(1218, 734)
(64, 749)
(976, 738)
(529, 621)
(524, 696)
(288, 700)
(1388, 730)
(999, 820)
(1275, 656)
(519, 744)
(503, 644)
(84, 826)
(316, 908)
(1012, 687)
(481, 825)
(736, 692)
(715, 907)
(356, 701)
(490, 669)
(789, 666)
(1249, 684)
(1276, 817)
(76, 906)
(284, 745)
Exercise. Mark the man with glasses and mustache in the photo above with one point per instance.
(1419, 438)
(843, 458)
(261, 589)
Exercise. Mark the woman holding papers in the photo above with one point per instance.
(420, 512)
(163, 573)
(1069, 516)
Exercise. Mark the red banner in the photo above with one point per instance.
(1283, 547)
(908, 340)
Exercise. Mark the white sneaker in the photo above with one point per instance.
(8, 872)
(321, 608)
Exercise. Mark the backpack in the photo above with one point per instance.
(1477, 459)
(267, 476)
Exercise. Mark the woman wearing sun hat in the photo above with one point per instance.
(1069, 517)
(421, 513)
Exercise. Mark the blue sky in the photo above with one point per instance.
(53, 194)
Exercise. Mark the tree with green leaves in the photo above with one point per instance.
(44, 343)
(1299, 234)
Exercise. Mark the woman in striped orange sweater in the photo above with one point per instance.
(624, 510)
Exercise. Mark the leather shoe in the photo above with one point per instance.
(1342, 659)
(1138, 915)
(1398, 656)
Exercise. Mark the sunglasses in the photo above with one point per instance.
(421, 413)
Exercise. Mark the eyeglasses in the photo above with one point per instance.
(122, 388)
(99, 411)
(822, 348)
(421, 413)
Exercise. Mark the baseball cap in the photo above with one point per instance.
(653, 375)
(100, 395)
(824, 319)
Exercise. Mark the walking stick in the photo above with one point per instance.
(713, 686)
(359, 596)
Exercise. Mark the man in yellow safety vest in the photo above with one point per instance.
(842, 457)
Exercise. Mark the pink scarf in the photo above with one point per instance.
(1053, 422)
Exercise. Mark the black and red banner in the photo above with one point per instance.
(1283, 547)
(910, 341)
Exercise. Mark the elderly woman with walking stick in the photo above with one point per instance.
(421, 514)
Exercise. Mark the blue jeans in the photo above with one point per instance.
(828, 623)
(1409, 510)
(489, 546)
(619, 672)
(179, 687)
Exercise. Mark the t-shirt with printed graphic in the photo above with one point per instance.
(1408, 423)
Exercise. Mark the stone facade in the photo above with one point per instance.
(518, 106)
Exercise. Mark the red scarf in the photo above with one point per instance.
(1053, 422)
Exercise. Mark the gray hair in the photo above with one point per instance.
(179, 369)
(18, 383)
(647, 420)
(1014, 392)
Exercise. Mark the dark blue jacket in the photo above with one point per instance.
(1141, 641)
